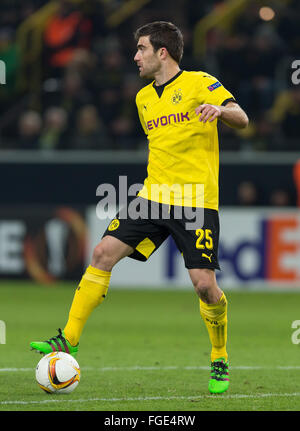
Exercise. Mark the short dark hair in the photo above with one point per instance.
(163, 34)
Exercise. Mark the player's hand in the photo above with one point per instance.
(208, 112)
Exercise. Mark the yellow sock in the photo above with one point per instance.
(89, 294)
(215, 318)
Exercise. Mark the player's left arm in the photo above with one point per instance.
(231, 114)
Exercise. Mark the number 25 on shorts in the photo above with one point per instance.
(204, 239)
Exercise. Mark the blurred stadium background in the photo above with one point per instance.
(68, 123)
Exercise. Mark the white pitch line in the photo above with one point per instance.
(12, 370)
(174, 367)
(162, 368)
(158, 398)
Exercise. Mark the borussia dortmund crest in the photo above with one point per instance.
(114, 224)
(177, 96)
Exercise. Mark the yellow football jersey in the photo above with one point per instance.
(183, 164)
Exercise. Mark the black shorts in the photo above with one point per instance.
(198, 243)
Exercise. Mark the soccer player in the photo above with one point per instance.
(179, 111)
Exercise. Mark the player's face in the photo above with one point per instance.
(146, 59)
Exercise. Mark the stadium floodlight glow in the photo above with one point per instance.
(266, 13)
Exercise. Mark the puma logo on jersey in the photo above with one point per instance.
(207, 257)
(168, 119)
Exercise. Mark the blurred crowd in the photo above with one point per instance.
(249, 194)
(255, 63)
(84, 97)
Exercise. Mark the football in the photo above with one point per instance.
(58, 373)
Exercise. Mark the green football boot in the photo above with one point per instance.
(55, 344)
(219, 377)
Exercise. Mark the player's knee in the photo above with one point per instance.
(204, 285)
(102, 258)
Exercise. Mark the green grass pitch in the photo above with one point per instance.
(149, 350)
